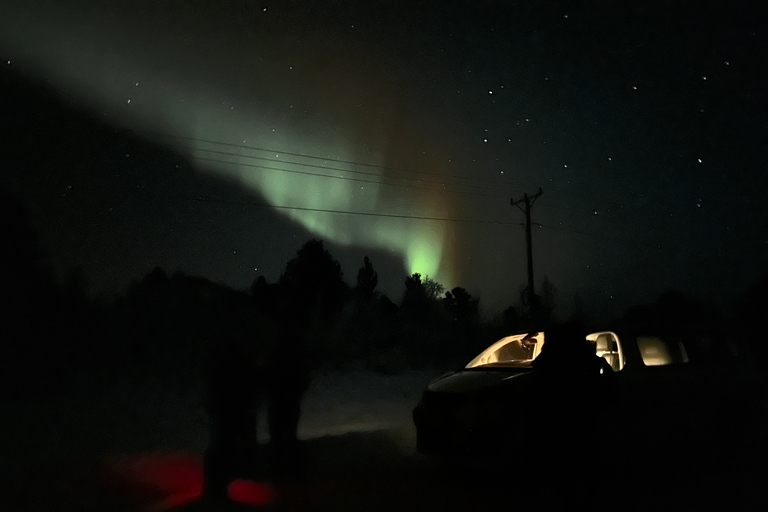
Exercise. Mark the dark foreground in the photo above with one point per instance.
(371, 472)
(107, 456)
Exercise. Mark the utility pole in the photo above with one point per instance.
(528, 201)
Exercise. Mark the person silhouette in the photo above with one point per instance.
(233, 398)
(567, 352)
(573, 384)
(287, 377)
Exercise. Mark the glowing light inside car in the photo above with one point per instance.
(608, 347)
(658, 352)
(654, 354)
(521, 349)
(515, 350)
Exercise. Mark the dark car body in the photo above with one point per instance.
(500, 403)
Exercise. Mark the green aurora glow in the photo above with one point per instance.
(159, 94)
(312, 200)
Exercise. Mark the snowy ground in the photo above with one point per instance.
(361, 401)
(89, 449)
(56, 452)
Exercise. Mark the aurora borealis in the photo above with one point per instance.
(405, 129)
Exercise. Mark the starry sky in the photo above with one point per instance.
(400, 130)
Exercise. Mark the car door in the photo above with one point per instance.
(664, 401)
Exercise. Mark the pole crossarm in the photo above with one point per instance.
(532, 199)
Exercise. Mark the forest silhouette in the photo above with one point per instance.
(166, 325)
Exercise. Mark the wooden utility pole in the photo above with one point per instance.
(528, 201)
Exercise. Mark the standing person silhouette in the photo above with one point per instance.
(286, 379)
(571, 376)
(573, 381)
(234, 390)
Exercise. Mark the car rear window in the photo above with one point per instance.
(656, 351)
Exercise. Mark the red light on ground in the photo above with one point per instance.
(162, 481)
(251, 493)
(168, 481)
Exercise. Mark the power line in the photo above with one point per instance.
(416, 217)
(444, 184)
(571, 230)
(494, 184)
(395, 216)
(256, 148)
(366, 214)
(362, 180)
(344, 178)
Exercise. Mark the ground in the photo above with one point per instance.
(135, 445)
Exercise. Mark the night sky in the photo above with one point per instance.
(216, 137)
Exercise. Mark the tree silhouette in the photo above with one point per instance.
(424, 322)
(463, 317)
(367, 280)
(510, 321)
(415, 297)
(433, 289)
(540, 312)
(461, 307)
(312, 286)
(49, 328)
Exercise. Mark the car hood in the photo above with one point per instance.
(470, 381)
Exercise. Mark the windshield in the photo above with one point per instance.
(518, 350)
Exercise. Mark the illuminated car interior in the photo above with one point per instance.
(519, 350)
(608, 347)
(658, 352)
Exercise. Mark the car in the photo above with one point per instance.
(651, 395)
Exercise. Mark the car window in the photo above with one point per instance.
(518, 350)
(607, 346)
(656, 351)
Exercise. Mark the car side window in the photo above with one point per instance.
(656, 351)
(607, 346)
